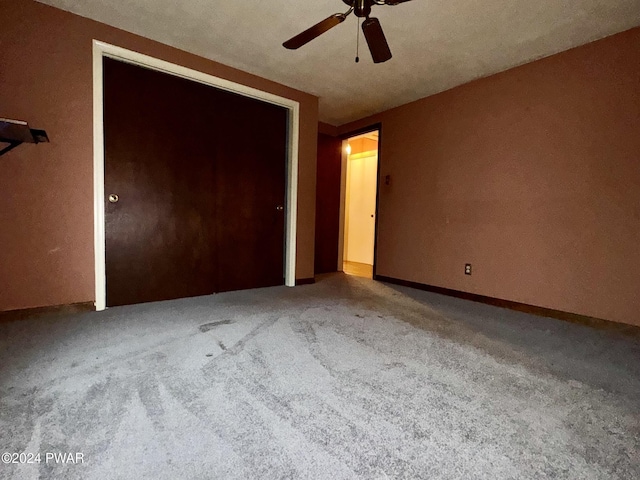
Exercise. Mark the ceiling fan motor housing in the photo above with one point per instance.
(361, 8)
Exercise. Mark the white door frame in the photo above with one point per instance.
(343, 202)
(100, 50)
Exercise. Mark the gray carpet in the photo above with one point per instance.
(347, 378)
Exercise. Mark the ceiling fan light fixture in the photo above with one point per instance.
(371, 27)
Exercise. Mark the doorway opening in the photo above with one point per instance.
(359, 204)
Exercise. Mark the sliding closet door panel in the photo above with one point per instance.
(251, 153)
(196, 177)
(159, 172)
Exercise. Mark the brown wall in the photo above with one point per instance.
(327, 129)
(46, 213)
(328, 172)
(531, 175)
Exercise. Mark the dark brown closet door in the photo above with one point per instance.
(200, 179)
(159, 232)
(250, 193)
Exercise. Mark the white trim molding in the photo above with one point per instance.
(101, 50)
(343, 202)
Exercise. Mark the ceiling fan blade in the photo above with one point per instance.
(315, 31)
(395, 2)
(376, 40)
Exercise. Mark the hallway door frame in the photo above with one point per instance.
(343, 192)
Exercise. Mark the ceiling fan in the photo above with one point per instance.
(370, 27)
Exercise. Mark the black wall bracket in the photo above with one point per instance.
(17, 132)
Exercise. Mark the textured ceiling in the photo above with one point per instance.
(437, 44)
